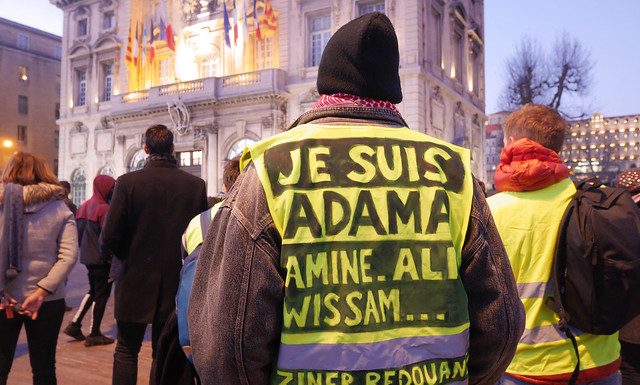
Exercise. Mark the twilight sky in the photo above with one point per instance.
(609, 29)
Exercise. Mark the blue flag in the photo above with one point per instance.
(227, 26)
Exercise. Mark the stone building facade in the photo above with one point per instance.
(30, 97)
(219, 96)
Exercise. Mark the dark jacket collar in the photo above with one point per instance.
(374, 115)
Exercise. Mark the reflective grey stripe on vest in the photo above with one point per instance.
(547, 333)
(392, 353)
(535, 289)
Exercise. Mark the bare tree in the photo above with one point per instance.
(533, 77)
(569, 71)
(525, 73)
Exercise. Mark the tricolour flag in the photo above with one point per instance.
(256, 23)
(235, 23)
(227, 26)
(245, 26)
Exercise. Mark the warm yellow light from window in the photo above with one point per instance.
(24, 78)
(7, 143)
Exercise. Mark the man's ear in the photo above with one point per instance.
(507, 140)
(145, 148)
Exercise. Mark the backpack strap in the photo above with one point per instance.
(555, 302)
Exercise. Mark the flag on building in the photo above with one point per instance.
(162, 31)
(135, 47)
(168, 30)
(235, 23)
(256, 23)
(129, 54)
(227, 26)
(271, 17)
(152, 49)
(143, 44)
(245, 26)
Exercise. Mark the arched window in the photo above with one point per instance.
(78, 186)
(238, 147)
(137, 161)
(105, 170)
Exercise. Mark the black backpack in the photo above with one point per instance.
(597, 262)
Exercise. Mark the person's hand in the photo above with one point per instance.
(32, 303)
(6, 301)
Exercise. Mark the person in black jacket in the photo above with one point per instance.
(90, 219)
(150, 209)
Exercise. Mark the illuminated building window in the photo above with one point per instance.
(475, 68)
(265, 53)
(78, 186)
(105, 170)
(190, 158)
(368, 7)
(209, 67)
(436, 32)
(319, 34)
(23, 74)
(107, 81)
(238, 147)
(458, 49)
(81, 87)
(137, 161)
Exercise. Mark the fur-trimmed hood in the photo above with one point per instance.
(36, 195)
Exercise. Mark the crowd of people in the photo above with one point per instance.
(349, 249)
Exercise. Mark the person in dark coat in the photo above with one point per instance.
(90, 219)
(150, 209)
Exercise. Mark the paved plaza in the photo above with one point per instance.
(77, 364)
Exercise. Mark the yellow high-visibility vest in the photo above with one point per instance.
(372, 221)
(528, 223)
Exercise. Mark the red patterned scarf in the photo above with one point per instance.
(347, 100)
(526, 165)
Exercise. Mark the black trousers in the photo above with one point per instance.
(630, 367)
(125, 358)
(98, 295)
(42, 338)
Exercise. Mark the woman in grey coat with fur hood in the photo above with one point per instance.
(38, 249)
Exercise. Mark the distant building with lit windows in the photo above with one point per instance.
(30, 96)
(493, 144)
(223, 85)
(602, 146)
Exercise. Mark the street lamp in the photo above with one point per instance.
(7, 143)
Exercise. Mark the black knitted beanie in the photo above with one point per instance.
(362, 59)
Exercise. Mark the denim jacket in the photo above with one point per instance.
(235, 308)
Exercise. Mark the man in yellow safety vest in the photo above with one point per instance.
(353, 250)
(535, 191)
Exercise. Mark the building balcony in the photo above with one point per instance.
(199, 90)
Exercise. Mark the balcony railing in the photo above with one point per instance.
(250, 83)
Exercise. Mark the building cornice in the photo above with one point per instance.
(63, 3)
